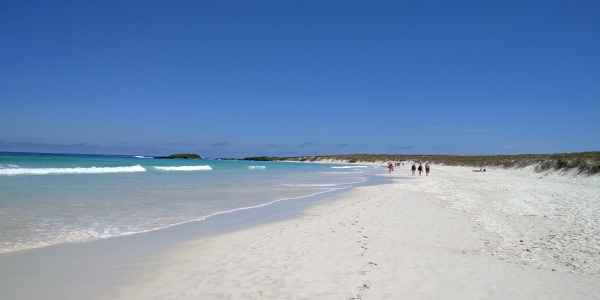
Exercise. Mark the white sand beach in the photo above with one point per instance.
(456, 234)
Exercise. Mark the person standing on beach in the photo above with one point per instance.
(427, 169)
(390, 168)
(413, 168)
(420, 169)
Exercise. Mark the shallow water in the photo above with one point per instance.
(49, 199)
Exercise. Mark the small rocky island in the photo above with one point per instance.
(181, 155)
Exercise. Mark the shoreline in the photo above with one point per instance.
(84, 270)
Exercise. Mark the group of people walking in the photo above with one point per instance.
(413, 168)
(420, 168)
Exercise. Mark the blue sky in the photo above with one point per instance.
(286, 78)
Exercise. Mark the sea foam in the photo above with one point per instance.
(349, 167)
(257, 167)
(90, 170)
(184, 168)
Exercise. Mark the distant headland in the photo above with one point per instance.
(181, 155)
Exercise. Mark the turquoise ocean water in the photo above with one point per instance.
(48, 199)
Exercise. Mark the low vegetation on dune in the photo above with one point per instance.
(583, 162)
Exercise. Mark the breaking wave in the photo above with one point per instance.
(89, 170)
(257, 167)
(184, 168)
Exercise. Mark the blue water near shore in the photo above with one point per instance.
(49, 199)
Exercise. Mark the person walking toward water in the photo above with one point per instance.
(413, 168)
(420, 169)
(427, 167)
